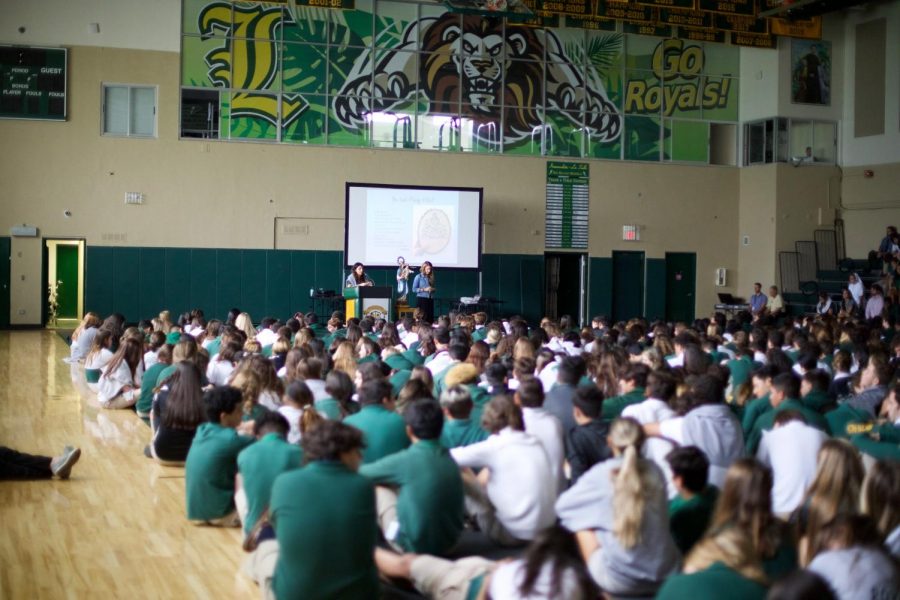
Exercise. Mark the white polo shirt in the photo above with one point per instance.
(791, 450)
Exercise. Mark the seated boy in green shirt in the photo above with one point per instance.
(260, 463)
(814, 391)
(211, 464)
(459, 429)
(691, 510)
(420, 491)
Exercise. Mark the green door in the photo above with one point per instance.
(67, 281)
(681, 284)
(4, 282)
(628, 285)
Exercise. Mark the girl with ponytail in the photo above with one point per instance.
(619, 513)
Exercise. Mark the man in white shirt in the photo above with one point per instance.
(510, 498)
(267, 332)
(441, 358)
(543, 425)
(791, 450)
(655, 409)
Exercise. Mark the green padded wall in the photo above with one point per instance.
(139, 282)
(655, 301)
(600, 287)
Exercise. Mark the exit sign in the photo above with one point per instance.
(631, 233)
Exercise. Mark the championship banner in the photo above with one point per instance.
(568, 199)
(729, 7)
(686, 18)
(689, 4)
(810, 29)
(702, 35)
(752, 40)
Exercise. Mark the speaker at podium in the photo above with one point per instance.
(369, 301)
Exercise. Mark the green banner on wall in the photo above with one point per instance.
(397, 75)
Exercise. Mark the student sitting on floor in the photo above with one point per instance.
(97, 359)
(383, 430)
(543, 425)
(21, 466)
(459, 429)
(419, 493)
(148, 382)
(835, 490)
(83, 337)
(120, 383)
(691, 510)
(618, 511)
(223, 364)
(325, 524)
(260, 464)
(212, 460)
(790, 450)
(745, 504)
(510, 499)
(551, 569)
(177, 412)
(297, 408)
(881, 501)
(848, 554)
(586, 442)
(338, 403)
(155, 341)
(721, 565)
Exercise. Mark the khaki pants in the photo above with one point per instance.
(386, 509)
(441, 579)
(241, 505)
(479, 506)
(261, 567)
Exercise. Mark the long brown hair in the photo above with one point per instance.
(835, 489)
(635, 485)
(184, 404)
(746, 503)
(91, 319)
(430, 275)
(131, 352)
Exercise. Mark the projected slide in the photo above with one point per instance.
(441, 225)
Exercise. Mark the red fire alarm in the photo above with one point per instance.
(868, 173)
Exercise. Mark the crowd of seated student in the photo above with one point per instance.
(634, 458)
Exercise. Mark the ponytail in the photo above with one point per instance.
(309, 419)
(633, 483)
(628, 500)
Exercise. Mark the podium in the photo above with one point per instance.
(369, 301)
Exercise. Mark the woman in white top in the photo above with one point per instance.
(120, 384)
(97, 359)
(83, 336)
(824, 305)
(857, 289)
(297, 408)
(222, 365)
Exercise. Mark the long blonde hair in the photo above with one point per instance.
(634, 484)
(731, 547)
(345, 358)
(881, 495)
(245, 324)
(836, 487)
(90, 319)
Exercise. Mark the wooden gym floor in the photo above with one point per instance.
(117, 528)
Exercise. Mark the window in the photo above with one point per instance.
(129, 110)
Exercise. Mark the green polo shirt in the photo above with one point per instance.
(480, 399)
(259, 465)
(713, 582)
(148, 384)
(439, 379)
(430, 498)
(163, 374)
(326, 548)
(882, 443)
(414, 357)
(461, 432)
(210, 469)
(329, 408)
(214, 346)
(817, 400)
(479, 334)
(384, 431)
(613, 407)
(740, 370)
(754, 409)
(398, 380)
(688, 518)
(844, 415)
(766, 422)
(255, 413)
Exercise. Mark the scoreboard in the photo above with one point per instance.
(33, 83)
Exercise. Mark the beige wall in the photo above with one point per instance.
(868, 205)
(756, 225)
(217, 194)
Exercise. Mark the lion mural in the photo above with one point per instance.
(485, 67)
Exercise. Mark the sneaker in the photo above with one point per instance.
(62, 466)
